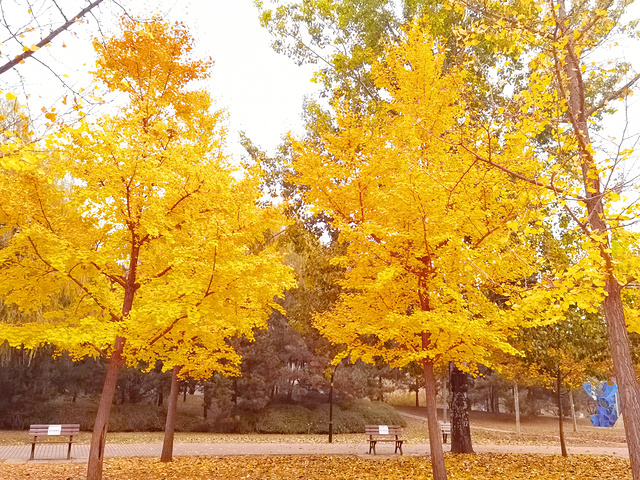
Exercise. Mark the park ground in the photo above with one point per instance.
(489, 430)
(460, 467)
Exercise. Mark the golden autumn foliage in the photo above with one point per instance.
(462, 467)
(433, 236)
(141, 221)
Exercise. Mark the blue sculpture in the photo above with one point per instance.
(605, 395)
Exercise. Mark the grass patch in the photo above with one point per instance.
(460, 467)
(497, 429)
(415, 433)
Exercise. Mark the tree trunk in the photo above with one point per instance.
(435, 438)
(170, 425)
(573, 411)
(184, 396)
(99, 437)
(563, 446)
(613, 310)
(495, 400)
(460, 427)
(516, 405)
(333, 374)
(624, 371)
(417, 393)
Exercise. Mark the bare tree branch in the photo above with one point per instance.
(612, 96)
(24, 55)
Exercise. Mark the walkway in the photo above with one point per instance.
(79, 453)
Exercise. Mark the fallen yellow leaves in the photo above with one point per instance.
(460, 467)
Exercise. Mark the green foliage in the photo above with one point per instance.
(350, 417)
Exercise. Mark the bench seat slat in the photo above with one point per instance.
(40, 434)
(42, 430)
(393, 434)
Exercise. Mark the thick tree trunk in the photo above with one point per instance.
(435, 437)
(624, 371)
(573, 411)
(613, 311)
(170, 425)
(516, 405)
(99, 437)
(460, 427)
(563, 446)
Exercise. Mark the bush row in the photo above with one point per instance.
(292, 419)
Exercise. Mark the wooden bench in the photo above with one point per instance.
(445, 428)
(52, 431)
(384, 433)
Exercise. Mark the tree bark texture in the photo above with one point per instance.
(435, 438)
(170, 425)
(460, 426)
(99, 437)
(516, 405)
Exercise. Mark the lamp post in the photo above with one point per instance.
(333, 374)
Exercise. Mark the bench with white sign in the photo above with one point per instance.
(384, 433)
(445, 428)
(46, 433)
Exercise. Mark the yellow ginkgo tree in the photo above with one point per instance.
(560, 72)
(157, 240)
(432, 237)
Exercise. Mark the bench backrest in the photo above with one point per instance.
(383, 429)
(42, 430)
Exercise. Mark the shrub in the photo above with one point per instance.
(284, 419)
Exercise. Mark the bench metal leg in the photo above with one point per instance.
(372, 446)
(69, 450)
(33, 448)
(398, 447)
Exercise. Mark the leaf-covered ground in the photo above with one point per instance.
(460, 467)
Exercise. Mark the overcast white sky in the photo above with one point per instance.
(262, 91)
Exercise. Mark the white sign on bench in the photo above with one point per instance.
(54, 430)
(383, 429)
